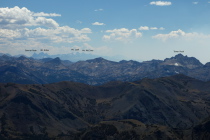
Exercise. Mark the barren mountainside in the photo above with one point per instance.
(167, 108)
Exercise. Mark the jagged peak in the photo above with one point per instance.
(56, 60)
(180, 56)
(185, 61)
(5, 56)
(22, 57)
(98, 59)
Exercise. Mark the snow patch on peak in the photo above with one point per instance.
(176, 64)
(176, 72)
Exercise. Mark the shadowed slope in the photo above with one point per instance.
(176, 102)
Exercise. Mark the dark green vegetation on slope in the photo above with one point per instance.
(164, 108)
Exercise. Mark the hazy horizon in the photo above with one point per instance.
(134, 30)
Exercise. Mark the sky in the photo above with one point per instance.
(136, 29)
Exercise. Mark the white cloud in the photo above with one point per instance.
(42, 14)
(98, 23)
(181, 35)
(122, 34)
(102, 50)
(195, 2)
(14, 23)
(22, 17)
(161, 28)
(98, 10)
(144, 28)
(5, 33)
(172, 34)
(45, 22)
(22, 29)
(160, 3)
(84, 30)
(63, 34)
(153, 28)
(150, 28)
(79, 22)
(87, 46)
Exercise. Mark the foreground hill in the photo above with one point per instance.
(96, 71)
(168, 108)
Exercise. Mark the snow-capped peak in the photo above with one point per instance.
(176, 64)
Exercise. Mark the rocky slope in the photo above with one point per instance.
(164, 108)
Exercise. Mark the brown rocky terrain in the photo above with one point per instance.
(173, 107)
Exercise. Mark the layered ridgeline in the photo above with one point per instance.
(176, 107)
(96, 71)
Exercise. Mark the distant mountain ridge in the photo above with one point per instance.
(96, 71)
(180, 60)
(74, 57)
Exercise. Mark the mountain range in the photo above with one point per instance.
(96, 71)
(175, 107)
(96, 99)
(74, 57)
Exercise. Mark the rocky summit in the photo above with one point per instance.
(96, 71)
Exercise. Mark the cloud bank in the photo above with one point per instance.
(21, 28)
(16, 22)
(96, 10)
(150, 28)
(123, 34)
(161, 3)
(98, 23)
(16, 17)
(179, 34)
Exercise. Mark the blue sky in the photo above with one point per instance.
(134, 29)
